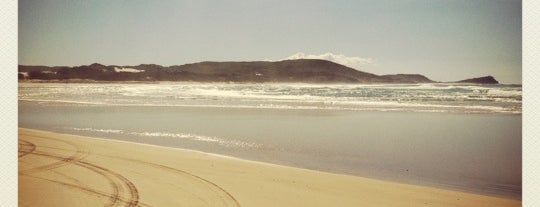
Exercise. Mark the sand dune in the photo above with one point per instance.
(67, 170)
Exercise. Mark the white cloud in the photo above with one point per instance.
(353, 62)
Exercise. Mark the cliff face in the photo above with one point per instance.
(302, 70)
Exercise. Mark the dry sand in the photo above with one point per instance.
(67, 170)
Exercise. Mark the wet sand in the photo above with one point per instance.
(68, 170)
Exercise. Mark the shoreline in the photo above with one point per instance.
(245, 189)
(432, 184)
(91, 81)
(248, 107)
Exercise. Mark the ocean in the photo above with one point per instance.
(455, 136)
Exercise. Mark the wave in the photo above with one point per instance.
(351, 106)
(403, 97)
(187, 136)
(504, 92)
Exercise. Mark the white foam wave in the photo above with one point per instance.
(504, 92)
(117, 131)
(405, 97)
(188, 136)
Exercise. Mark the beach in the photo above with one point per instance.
(441, 150)
(67, 170)
(353, 103)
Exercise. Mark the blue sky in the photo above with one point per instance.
(444, 40)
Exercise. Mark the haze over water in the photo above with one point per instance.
(465, 137)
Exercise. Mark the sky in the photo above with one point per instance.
(444, 40)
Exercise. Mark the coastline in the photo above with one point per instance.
(90, 81)
(109, 171)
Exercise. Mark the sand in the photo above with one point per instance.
(68, 170)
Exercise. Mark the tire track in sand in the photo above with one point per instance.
(225, 196)
(84, 189)
(25, 148)
(74, 157)
(116, 181)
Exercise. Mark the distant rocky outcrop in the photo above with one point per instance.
(480, 80)
(301, 70)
